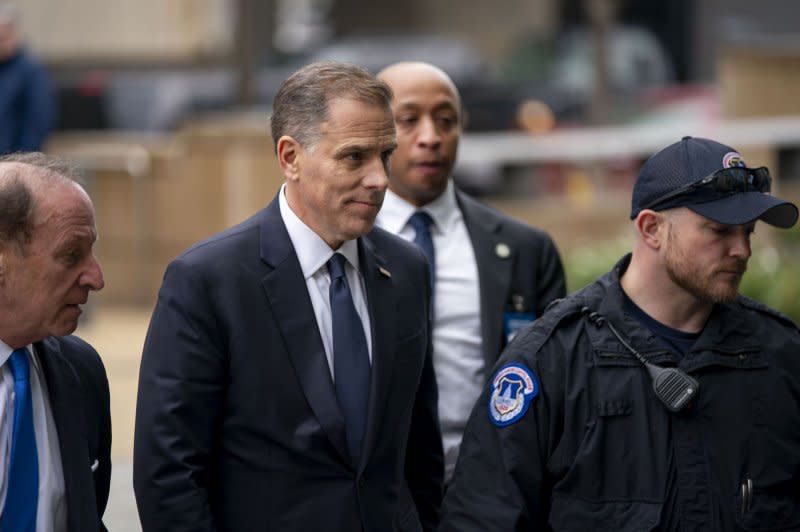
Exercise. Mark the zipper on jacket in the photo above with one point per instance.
(747, 495)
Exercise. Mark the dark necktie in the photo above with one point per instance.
(421, 222)
(19, 513)
(351, 366)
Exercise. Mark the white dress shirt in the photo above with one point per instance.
(51, 512)
(457, 344)
(313, 254)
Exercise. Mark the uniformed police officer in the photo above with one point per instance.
(657, 398)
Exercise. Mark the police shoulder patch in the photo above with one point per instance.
(513, 388)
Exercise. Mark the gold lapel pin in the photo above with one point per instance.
(385, 272)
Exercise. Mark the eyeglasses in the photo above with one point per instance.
(720, 184)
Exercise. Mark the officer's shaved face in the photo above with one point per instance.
(427, 113)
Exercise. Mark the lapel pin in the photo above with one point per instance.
(502, 250)
(385, 272)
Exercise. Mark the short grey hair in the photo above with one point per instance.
(301, 105)
(17, 199)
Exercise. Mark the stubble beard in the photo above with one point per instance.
(698, 283)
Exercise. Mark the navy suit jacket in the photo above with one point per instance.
(237, 424)
(525, 267)
(77, 387)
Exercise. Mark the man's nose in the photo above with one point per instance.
(92, 277)
(377, 174)
(429, 134)
(741, 245)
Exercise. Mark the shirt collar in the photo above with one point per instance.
(312, 251)
(396, 211)
(6, 350)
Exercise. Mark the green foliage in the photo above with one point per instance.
(772, 274)
(582, 265)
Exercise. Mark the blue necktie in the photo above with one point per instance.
(421, 222)
(19, 513)
(351, 367)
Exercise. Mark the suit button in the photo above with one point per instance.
(361, 482)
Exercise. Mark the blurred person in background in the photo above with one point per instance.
(286, 381)
(55, 425)
(492, 274)
(658, 397)
(27, 104)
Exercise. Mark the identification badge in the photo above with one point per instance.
(514, 321)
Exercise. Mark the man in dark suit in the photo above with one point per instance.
(55, 423)
(286, 380)
(492, 274)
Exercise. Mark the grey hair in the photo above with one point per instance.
(17, 199)
(301, 105)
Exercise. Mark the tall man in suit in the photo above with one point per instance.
(286, 380)
(492, 274)
(55, 423)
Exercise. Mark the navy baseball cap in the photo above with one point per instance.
(712, 180)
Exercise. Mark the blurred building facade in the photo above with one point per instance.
(170, 30)
(82, 31)
(200, 30)
(186, 179)
(94, 45)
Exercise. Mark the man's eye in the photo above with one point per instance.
(720, 230)
(354, 156)
(407, 120)
(72, 257)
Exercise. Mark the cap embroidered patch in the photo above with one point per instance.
(513, 388)
(732, 159)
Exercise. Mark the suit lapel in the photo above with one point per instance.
(494, 274)
(287, 293)
(382, 310)
(66, 404)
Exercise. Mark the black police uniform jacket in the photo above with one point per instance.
(597, 450)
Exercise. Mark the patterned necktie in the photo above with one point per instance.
(19, 513)
(421, 222)
(351, 368)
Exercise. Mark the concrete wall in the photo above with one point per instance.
(175, 30)
(152, 30)
(720, 22)
(759, 78)
(492, 27)
(156, 196)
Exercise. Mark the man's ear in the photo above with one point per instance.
(651, 226)
(289, 154)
